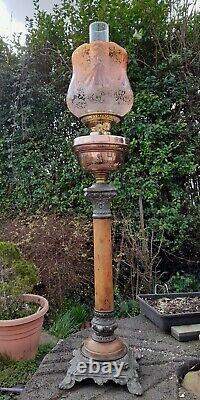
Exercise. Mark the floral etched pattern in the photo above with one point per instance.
(99, 83)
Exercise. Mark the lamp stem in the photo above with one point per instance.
(103, 346)
(103, 264)
(100, 195)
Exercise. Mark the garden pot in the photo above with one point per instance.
(166, 321)
(19, 338)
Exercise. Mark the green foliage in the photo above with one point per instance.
(18, 277)
(9, 252)
(125, 308)
(27, 273)
(69, 321)
(183, 283)
(19, 372)
(37, 167)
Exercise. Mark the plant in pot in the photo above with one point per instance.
(21, 314)
(179, 307)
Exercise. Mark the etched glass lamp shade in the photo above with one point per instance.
(99, 85)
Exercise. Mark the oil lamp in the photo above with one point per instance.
(100, 95)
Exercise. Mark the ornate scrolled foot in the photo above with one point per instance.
(123, 371)
(68, 382)
(134, 387)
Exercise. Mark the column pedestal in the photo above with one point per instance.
(82, 367)
(103, 356)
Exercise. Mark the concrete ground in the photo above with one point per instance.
(162, 355)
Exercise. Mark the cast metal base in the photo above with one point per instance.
(104, 371)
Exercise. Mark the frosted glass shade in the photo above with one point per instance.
(99, 83)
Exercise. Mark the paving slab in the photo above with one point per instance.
(162, 357)
(183, 333)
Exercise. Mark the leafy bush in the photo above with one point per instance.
(125, 307)
(37, 167)
(183, 283)
(17, 277)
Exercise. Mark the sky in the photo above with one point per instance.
(14, 12)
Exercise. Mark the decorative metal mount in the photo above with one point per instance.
(103, 326)
(100, 123)
(100, 195)
(123, 371)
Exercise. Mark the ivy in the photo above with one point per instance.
(38, 169)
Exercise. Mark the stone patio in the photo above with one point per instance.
(162, 356)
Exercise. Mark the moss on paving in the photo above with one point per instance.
(19, 372)
(4, 397)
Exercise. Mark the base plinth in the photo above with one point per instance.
(104, 351)
(123, 371)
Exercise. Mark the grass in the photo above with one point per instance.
(69, 320)
(19, 372)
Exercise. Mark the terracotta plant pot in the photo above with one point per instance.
(19, 338)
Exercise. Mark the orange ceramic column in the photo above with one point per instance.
(101, 195)
(103, 265)
(103, 345)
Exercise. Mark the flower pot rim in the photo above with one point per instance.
(32, 298)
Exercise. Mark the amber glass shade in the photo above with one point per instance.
(99, 83)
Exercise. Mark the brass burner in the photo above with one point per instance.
(100, 123)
